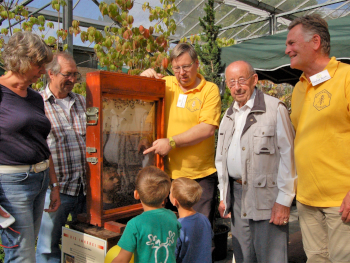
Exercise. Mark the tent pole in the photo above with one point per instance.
(67, 22)
(273, 24)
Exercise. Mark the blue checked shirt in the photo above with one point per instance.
(67, 141)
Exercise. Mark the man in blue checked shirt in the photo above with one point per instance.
(66, 112)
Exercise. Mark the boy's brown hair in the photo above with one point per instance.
(186, 191)
(153, 186)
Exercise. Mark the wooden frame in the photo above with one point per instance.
(103, 84)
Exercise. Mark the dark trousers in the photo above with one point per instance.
(206, 205)
(207, 202)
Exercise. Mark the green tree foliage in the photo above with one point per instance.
(209, 53)
(282, 92)
(136, 47)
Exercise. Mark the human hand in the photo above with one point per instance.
(55, 200)
(280, 214)
(345, 208)
(160, 146)
(151, 73)
(221, 209)
(3, 213)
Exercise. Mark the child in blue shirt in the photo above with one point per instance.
(152, 235)
(194, 243)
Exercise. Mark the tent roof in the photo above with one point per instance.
(267, 56)
(240, 19)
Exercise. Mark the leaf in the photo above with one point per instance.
(3, 14)
(4, 31)
(63, 3)
(98, 36)
(50, 25)
(56, 7)
(25, 14)
(90, 38)
(165, 63)
(41, 20)
(130, 20)
(75, 23)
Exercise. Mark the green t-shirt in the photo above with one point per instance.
(152, 236)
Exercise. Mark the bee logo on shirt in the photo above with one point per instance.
(322, 100)
(193, 104)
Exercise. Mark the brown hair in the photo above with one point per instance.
(314, 24)
(153, 186)
(23, 50)
(181, 49)
(186, 191)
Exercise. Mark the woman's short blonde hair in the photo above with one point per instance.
(186, 191)
(23, 50)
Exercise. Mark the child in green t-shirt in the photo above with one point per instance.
(152, 235)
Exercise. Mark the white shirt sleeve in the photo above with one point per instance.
(287, 176)
(218, 164)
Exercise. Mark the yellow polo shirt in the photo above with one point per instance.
(203, 104)
(321, 118)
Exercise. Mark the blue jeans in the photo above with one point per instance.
(23, 196)
(47, 249)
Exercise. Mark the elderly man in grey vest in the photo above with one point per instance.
(256, 169)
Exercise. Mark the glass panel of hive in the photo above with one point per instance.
(128, 129)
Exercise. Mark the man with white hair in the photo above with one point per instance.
(255, 166)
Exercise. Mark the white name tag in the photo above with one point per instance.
(181, 102)
(320, 77)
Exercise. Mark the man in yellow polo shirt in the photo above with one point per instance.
(192, 113)
(321, 118)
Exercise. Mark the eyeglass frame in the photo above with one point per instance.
(178, 68)
(76, 75)
(236, 82)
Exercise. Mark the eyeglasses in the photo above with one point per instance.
(75, 75)
(240, 82)
(184, 68)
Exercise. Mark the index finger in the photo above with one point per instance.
(151, 149)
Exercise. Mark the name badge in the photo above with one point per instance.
(320, 77)
(181, 102)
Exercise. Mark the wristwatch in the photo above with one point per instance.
(53, 185)
(172, 142)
